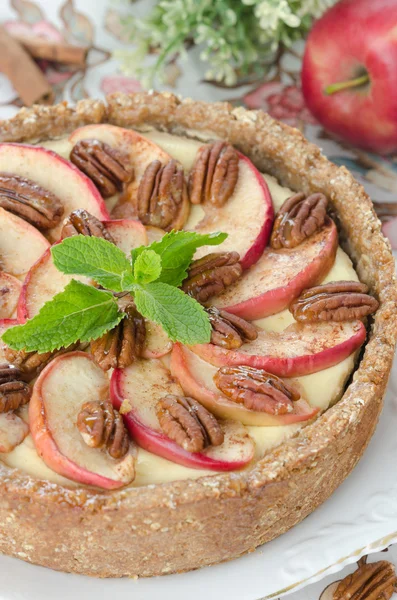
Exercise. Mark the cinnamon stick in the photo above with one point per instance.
(55, 51)
(22, 71)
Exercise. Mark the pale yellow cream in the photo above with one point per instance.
(321, 389)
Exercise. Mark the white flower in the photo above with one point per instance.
(236, 38)
(271, 12)
(314, 8)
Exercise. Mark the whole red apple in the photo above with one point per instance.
(349, 74)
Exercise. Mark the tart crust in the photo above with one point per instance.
(184, 525)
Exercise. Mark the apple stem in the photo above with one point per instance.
(344, 85)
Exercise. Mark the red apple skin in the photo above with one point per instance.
(354, 35)
(276, 300)
(47, 448)
(258, 246)
(217, 403)
(295, 366)
(8, 322)
(157, 443)
(22, 310)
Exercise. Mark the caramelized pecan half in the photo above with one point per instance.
(212, 274)
(299, 217)
(119, 347)
(30, 201)
(256, 389)
(14, 391)
(161, 194)
(334, 301)
(230, 331)
(188, 423)
(107, 167)
(102, 426)
(81, 222)
(371, 581)
(32, 363)
(214, 174)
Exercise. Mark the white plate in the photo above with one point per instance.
(360, 517)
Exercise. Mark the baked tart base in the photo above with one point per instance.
(183, 525)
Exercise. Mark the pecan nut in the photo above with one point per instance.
(188, 423)
(81, 222)
(214, 175)
(256, 389)
(161, 194)
(32, 363)
(119, 347)
(299, 217)
(14, 391)
(371, 581)
(102, 426)
(334, 301)
(229, 331)
(212, 274)
(108, 168)
(30, 201)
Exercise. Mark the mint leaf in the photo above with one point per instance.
(181, 317)
(80, 312)
(147, 267)
(96, 258)
(176, 250)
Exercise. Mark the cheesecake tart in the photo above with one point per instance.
(135, 453)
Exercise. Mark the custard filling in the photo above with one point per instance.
(320, 389)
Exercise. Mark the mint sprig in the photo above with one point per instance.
(80, 312)
(83, 312)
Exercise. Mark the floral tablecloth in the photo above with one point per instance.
(97, 24)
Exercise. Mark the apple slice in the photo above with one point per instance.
(142, 385)
(21, 244)
(297, 350)
(157, 342)
(196, 379)
(41, 284)
(13, 430)
(44, 280)
(55, 174)
(280, 276)
(154, 234)
(4, 325)
(10, 289)
(247, 217)
(58, 394)
(127, 234)
(141, 152)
